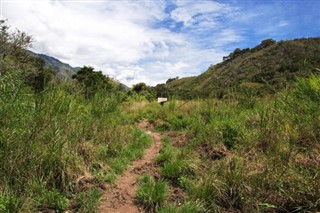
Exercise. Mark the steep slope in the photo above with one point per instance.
(62, 70)
(269, 66)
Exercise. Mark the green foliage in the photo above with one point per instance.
(167, 152)
(259, 156)
(13, 43)
(92, 81)
(172, 170)
(175, 164)
(39, 78)
(9, 203)
(52, 200)
(138, 88)
(122, 156)
(172, 79)
(14, 58)
(187, 207)
(88, 201)
(264, 44)
(273, 65)
(55, 136)
(231, 135)
(161, 90)
(247, 152)
(141, 89)
(151, 194)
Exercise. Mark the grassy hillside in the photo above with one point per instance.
(267, 67)
(231, 156)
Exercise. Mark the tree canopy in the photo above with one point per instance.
(92, 80)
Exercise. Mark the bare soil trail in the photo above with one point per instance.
(120, 197)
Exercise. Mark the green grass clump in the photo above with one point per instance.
(88, 201)
(9, 203)
(175, 163)
(187, 207)
(52, 200)
(167, 152)
(151, 194)
(126, 154)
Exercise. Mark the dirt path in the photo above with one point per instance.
(120, 198)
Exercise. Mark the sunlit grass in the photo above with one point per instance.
(270, 150)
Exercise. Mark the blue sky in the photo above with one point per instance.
(153, 40)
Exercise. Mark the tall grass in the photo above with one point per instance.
(268, 150)
(50, 140)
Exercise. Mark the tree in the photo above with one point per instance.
(161, 90)
(14, 57)
(92, 81)
(139, 87)
(143, 90)
(40, 76)
(264, 44)
(172, 79)
(13, 43)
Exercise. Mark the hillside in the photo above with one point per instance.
(62, 70)
(267, 67)
(65, 71)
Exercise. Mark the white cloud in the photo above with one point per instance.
(203, 12)
(226, 36)
(118, 37)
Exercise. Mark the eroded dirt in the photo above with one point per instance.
(120, 198)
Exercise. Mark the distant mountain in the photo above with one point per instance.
(62, 70)
(65, 71)
(267, 67)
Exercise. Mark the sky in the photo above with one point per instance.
(153, 40)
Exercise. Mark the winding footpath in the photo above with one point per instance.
(120, 197)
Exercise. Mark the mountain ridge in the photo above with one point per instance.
(270, 64)
(62, 70)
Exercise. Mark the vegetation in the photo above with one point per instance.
(141, 90)
(151, 194)
(252, 145)
(247, 154)
(62, 71)
(267, 68)
(92, 81)
(59, 142)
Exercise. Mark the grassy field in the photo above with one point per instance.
(242, 154)
(57, 148)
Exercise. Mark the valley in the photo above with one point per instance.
(244, 136)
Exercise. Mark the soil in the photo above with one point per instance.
(120, 198)
(179, 140)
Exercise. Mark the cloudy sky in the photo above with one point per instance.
(152, 40)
